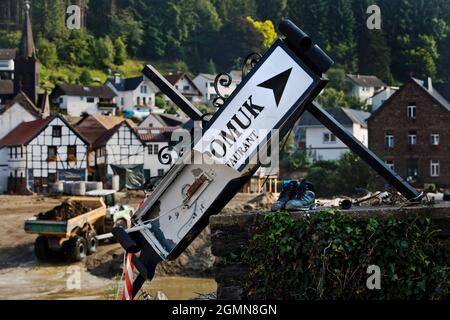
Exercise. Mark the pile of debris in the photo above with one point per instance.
(65, 211)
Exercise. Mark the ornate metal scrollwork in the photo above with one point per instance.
(163, 156)
(250, 62)
(225, 80)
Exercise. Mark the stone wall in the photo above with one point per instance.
(230, 234)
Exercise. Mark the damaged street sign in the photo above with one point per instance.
(264, 106)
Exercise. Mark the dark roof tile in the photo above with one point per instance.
(344, 116)
(83, 91)
(8, 54)
(366, 81)
(25, 132)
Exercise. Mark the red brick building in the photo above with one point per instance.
(411, 132)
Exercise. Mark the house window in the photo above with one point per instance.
(72, 153)
(412, 138)
(153, 149)
(389, 140)
(412, 168)
(412, 111)
(122, 101)
(51, 153)
(138, 101)
(390, 164)
(90, 100)
(186, 88)
(329, 137)
(56, 132)
(143, 89)
(434, 168)
(435, 139)
(160, 172)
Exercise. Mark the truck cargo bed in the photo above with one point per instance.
(46, 227)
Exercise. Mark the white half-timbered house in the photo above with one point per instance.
(43, 151)
(118, 148)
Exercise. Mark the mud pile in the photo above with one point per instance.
(65, 211)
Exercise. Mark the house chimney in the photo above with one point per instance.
(430, 84)
(117, 78)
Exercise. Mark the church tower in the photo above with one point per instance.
(26, 65)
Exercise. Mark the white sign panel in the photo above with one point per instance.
(257, 107)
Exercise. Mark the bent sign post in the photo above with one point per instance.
(262, 109)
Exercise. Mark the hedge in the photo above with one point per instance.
(327, 255)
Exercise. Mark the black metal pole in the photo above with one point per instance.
(361, 150)
(173, 94)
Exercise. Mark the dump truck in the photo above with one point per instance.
(71, 228)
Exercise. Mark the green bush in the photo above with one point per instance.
(326, 256)
(341, 177)
(295, 161)
(160, 102)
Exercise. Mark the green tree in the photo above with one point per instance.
(10, 39)
(211, 67)
(341, 34)
(323, 179)
(296, 161)
(422, 57)
(237, 40)
(351, 173)
(76, 49)
(103, 52)
(124, 25)
(272, 10)
(160, 102)
(120, 49)
(49, 19)
(331, 98)
(85, 77)
(47, 52)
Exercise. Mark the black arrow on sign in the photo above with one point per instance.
(277, 84)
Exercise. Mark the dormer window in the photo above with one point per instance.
(412, 111)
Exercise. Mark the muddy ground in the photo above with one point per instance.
(23, 277)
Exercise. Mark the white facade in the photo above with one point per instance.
(152, 166)
(363, 93)
(123, 148)
(7, 65)
(12, 117)
(205, 83)
(381, 97)
(77, 105)
(151, 122)
(185, 87)
(9, 120)
(321, 144)
(142, 95)
(48, 157)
